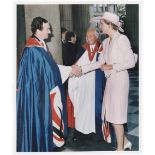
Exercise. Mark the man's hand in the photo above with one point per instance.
(76, 71)
(106, 67)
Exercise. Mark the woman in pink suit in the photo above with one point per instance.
(117, 57)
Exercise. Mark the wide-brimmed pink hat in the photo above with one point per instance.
(111, 17)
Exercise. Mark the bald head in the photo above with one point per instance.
(91, 36)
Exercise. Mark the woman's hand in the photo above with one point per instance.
(76, 71)
(106, 67)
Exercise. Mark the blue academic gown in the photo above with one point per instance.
(38, 74)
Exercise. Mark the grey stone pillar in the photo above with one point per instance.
(66, 17)
(20, 31)
(52, 14)
(132, 27)
(132, 24)
(81, 19)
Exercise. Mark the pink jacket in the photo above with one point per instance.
(118, 53)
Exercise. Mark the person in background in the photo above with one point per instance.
(63, 34)
(70, 48)
(69, 52)
(63, 41)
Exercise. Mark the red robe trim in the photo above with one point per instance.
(97, 48)
(70, 113)
(34, 42)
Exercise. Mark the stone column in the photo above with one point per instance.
(20, 31)
(66, 17)
(52, 14)
(81, 19)
(132, 27)
(132, 24)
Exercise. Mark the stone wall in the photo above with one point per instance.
(52, 14)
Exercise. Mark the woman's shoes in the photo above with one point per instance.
(128, 145)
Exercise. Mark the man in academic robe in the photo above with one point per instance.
(86, 92)
(41, 110)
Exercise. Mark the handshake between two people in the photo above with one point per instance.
(77, 70)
